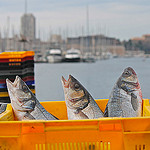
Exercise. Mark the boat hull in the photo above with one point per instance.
(72, 59)
(54, 59)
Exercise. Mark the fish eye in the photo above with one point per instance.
(126, 73)
(25, 89)
(76, 86)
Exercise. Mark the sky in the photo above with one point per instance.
(122, 19)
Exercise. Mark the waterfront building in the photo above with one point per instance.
(96, 45)
(28, 26)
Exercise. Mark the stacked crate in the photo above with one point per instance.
(16, 63)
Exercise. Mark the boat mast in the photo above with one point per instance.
(87, 19)
(24, 36)
(7, 38)
(87, 29)
(25, 6)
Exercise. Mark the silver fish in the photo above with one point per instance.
(24, 102)
(126, 97)
(80, 104)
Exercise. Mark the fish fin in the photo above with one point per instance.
(28, 108)
(106, 111)
(83, 115)
(28, 116)
(134, 101)
(29, 105)
(79, 113)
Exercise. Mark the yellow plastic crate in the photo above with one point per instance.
(16, 54)
(93, 134)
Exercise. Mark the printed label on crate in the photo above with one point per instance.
(14, 64)
(13, 60)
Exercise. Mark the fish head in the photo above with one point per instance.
(76, 96)
(129, 75)
(129, 80)
(21, 97)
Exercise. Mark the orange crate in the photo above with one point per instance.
(93, 134)
(16, 54)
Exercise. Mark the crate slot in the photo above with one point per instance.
(74, 146)
(140, 147)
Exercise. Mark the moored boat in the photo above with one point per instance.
(89, 59)
(54, 56)
(73, 55)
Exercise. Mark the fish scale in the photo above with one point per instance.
(114, 107)
(120, 104)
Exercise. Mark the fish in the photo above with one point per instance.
(125, 99)
(24, 103)
(79, 103)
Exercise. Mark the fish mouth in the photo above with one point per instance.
(17, 81)
(10, 88)
(10, 85)
(65, 82)
(13, 84)
(71, 78)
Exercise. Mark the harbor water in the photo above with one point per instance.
(98, 78)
